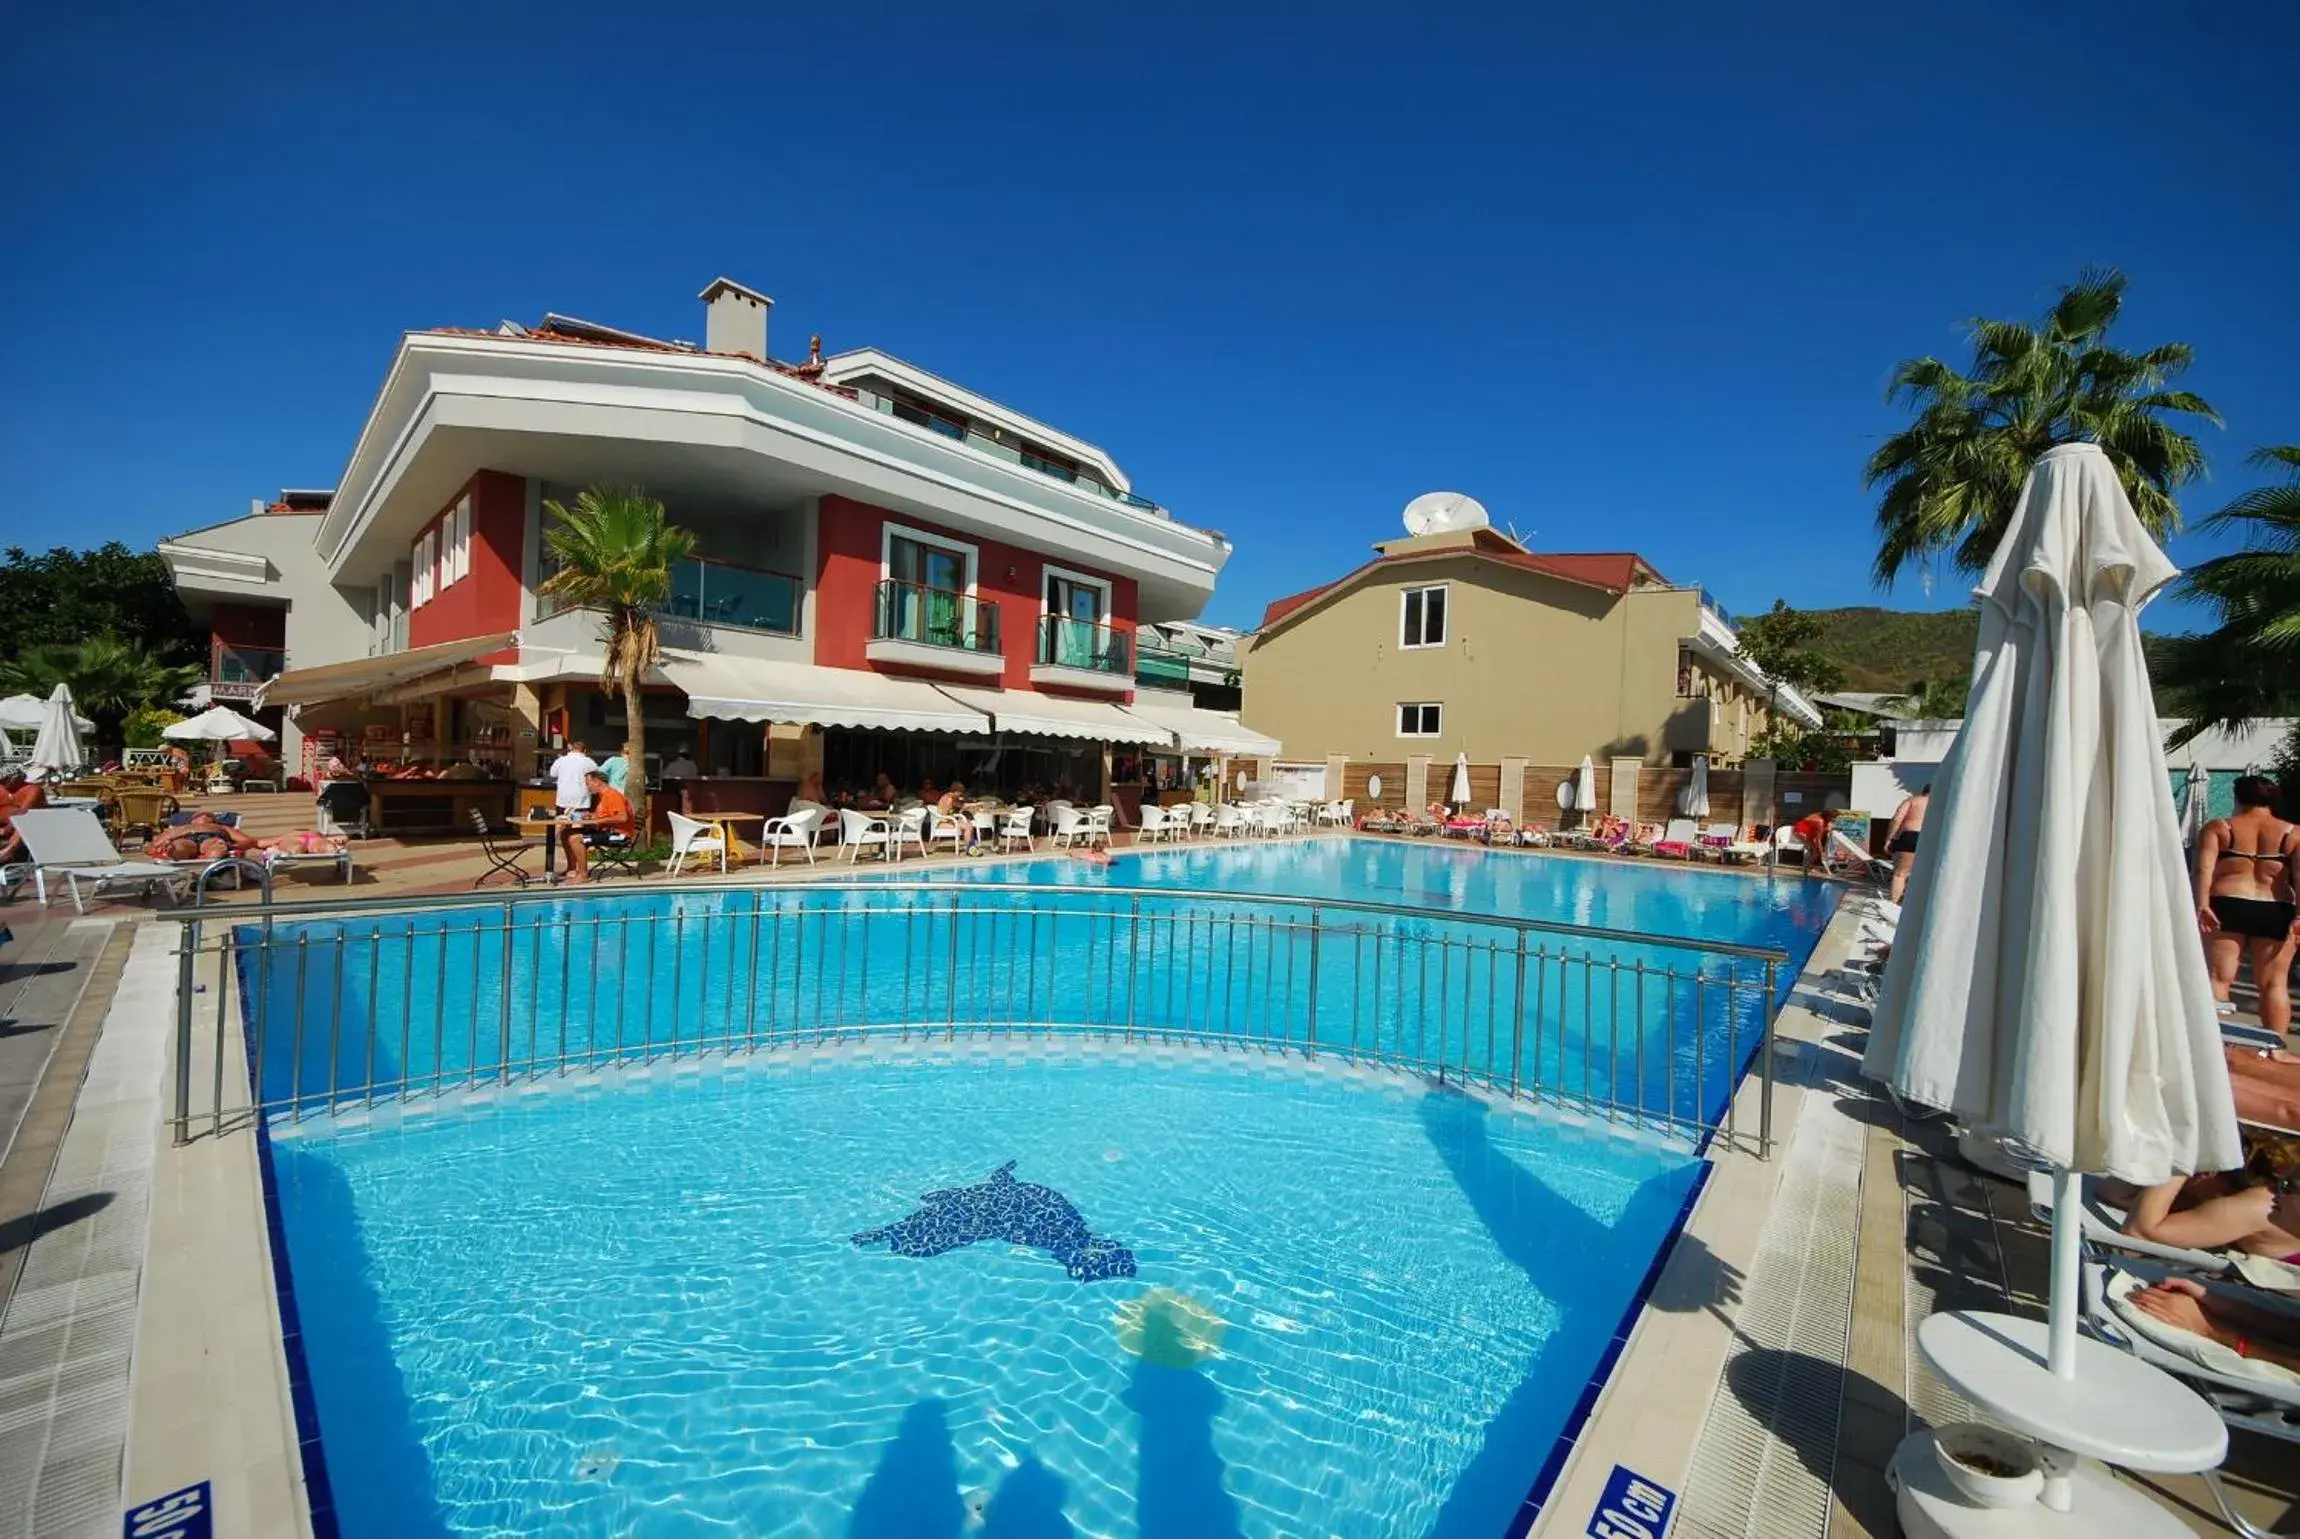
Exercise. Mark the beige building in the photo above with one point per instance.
(1467, 643)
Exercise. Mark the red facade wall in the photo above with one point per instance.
(248, 625)
(849, 548)
(486, 598)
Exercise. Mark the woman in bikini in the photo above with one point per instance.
(2244, 873)
(2255, 1210)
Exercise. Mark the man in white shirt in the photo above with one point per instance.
(567, 771)
(681, 767)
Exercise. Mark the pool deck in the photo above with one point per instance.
(1767, 1379)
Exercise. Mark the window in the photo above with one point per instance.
(929, 563)
(419, 590)
(1422, 719)
(458, 527)
(1424, 622)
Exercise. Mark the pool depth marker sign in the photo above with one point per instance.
(1631, 1507)
(185, 1514)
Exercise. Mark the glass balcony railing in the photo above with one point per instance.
(747, 598)
(974, 438)
(933, 617)
(1088, 644)
(1160, 667)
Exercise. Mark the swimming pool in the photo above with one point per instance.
(1118, 1278)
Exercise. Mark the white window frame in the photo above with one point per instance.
(1416, 646)
(459, 546)
(890, 531)
(1404, 706)
(419, 587)
(1084, 580)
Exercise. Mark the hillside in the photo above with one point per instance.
(1891, 649)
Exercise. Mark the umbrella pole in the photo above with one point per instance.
(2059, 1492)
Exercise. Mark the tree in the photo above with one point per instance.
(68, 596)
(614, 553)
(1780, 643)
(1932, 699)
(1952, 477)
(2248, 666)
(109, 677)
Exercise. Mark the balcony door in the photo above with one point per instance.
(1079, 607)
(931, 603)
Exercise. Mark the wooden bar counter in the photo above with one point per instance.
(437, 806)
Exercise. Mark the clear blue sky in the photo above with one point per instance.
(1633, 276)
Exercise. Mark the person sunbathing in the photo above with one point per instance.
(2255, 1210)
(199, 837)
(2244, 1328)
(2266, 1081)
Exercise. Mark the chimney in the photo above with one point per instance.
(735, 319)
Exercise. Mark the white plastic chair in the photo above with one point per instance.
(690, 836)
(910, 828)
(1071, 826)
(1098, 823)
(72, 844)
(1014, 825)
(953, 828)
(1201, 819)
(1155, 824)
(797, 829)
(1232, 820)
(859, 830)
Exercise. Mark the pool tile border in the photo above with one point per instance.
(319, 1494)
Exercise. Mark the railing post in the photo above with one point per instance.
(1765, 1070)
(503, 1027)
(1316, 928)
(187, 983)
(950, 970)
(1517, 1019)
(1133, 955)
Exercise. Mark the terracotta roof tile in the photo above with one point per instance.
(805, 373)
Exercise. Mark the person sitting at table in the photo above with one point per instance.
(608, 822)
(882, 793)
(952, 804)
(811, 789)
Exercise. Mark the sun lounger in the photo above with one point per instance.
(72, 845)
(2102, 1230)
(1677, 840)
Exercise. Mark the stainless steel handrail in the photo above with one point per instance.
(322, 909)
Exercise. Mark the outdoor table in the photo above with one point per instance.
(549, 829)
(725, 821)
(2117, 1409)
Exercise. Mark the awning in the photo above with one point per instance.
(1202, 731)
(367, 676)
(759, 689)
(1036, 715)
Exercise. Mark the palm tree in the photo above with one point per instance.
(614, 553)
(1931, 700)
(108, 676)
(1953, 476)
(2245, 667)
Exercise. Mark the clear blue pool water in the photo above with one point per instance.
(625, 1299)
(637, 1310)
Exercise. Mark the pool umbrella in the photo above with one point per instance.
(2047, 984)
(219, 724)
(22, 713)
(1460, 797)
(2195, 805)
(1585, 786)
(58, 745)
(1695, 802)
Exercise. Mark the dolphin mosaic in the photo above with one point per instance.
(1002, 1208)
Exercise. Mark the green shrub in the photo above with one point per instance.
(142, 727)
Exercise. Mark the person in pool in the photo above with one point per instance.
(2245, 868)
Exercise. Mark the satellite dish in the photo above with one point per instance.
(1445, 513)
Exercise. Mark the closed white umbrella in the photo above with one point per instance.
(1695, 802)
(2047, 982)
(2195, 805)
(1460, 797)
(22, 713)
(58, 745)
(219, 724)
(1585, 786)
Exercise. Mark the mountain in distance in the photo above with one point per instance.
(1890, 650)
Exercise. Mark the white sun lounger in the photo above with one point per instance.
(72, 845)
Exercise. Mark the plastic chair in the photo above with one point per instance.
(1014, 825)
(797, 829)
(860, 830)
(690, 836)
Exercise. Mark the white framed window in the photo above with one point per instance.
(929, 560)
(1421, 617)
(1421, 718)
(458, 527)
(419, 586)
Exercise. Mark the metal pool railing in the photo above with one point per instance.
(309, 1010)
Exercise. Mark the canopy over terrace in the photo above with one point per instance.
(1198, 732)
(389, 679)
(757, 689)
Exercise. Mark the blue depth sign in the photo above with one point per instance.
(1632, 1507)
(185, 1514)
